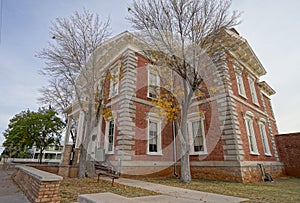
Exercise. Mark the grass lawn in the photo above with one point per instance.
(281, 190)
(70, 188)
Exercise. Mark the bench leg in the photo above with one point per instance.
(98, 178)
(112, 182)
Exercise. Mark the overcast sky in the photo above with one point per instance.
(272, 28)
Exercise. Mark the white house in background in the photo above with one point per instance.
(52, 152)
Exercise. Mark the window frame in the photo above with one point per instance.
(253, 91)
(159, 141)
(264, 137)
(106, 140)
(240, 84)
(248, 119)
(156, 86)
(191, 135)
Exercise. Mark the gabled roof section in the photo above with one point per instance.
(266, 88)
(240, 49)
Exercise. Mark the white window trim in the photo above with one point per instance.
(240, 84)
(264, 137)
(149, 70)
(106, 137)
(159, 141)
(114, 71)
(253, 92)
(249, 116)
(190, 131)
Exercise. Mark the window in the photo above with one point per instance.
(109, 138)
(240, 84)
(154, 137)
(264, 138)
(153, 83)
(196, 131)
(252, 90)
(250, 133)
(114, 81)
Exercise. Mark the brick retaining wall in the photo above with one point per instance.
(37, 185)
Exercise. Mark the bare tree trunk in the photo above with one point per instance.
(82, 157)
(185, 148)
(84, 167)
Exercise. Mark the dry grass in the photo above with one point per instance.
(281, 190)
(70, 188)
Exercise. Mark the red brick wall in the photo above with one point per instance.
(289, 152)
(242, 108)
(248, 156)
(245, 73)
(141, 136)
(35, 189)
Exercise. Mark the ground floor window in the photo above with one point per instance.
(109, 136)
(250, 133)
(154, 137)
(264, 138)
(197, 135)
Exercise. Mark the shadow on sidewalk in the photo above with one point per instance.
(9, 191)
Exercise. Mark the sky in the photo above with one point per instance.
(271, 27)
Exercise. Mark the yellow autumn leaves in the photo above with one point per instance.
(166, 106)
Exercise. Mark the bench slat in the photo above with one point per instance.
(107, 171)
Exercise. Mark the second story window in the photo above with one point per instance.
(114, 81)
(240, 84)
(153, 82)
(239, 81)
(253, 90)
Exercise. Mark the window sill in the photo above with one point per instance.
(109, 153)
(256, 103)
(154, 153)
(243, 96)
(111, 97)
(268, 155)
(198, 153)
(153, 98)
(254, 153)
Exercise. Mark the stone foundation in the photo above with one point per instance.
(148, 172)
(214, 170)
(236, 171)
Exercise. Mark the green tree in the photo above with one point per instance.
(29, 128)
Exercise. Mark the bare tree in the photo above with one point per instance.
(72, 66)
(58, 94)
(180, 34)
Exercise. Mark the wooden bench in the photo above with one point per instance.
(106, 170)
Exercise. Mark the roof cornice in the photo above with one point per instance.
(242, 51)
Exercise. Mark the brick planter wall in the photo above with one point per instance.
(38, 186)
(289, 152)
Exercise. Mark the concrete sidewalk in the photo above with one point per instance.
(9, 192)
(168, 194)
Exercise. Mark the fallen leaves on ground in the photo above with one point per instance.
(70, 188)
(281, 190)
